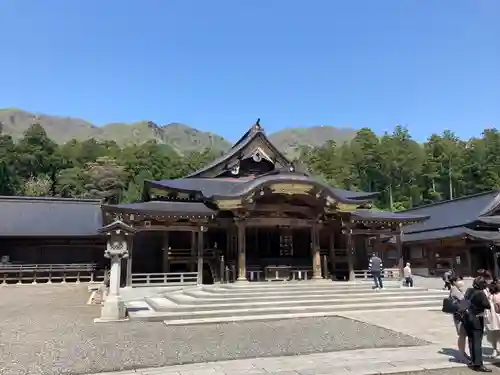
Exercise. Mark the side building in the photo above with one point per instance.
(461, 234)
(50, 239)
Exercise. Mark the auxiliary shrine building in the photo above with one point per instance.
(249, 215)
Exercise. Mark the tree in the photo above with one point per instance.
(9, 180)
(39, 186)
(104, 179)
(135, 186)
(365, 150)
(36, 153)
(69, 183)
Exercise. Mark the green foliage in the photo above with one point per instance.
(39, 186)
(37, 166)
(406, 173)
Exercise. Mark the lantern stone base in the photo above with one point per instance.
(113, 310)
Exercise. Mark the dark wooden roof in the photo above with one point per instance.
(492, 220)
(483, 235)
(163, 208)
(448, 218)
(368, 215)
(43, 217)
(213, 188)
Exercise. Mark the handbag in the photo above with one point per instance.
(450, 305)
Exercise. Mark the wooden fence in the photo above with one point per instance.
(50, 273)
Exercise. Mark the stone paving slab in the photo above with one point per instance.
(352, 362)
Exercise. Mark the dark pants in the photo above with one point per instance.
(377, 278)
(409, 281)
(474, 327)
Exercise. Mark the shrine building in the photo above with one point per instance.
(250, 215)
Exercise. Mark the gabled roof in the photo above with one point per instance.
(452, 214)
(254, 134)
(46, 216)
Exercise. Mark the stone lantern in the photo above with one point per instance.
(117, 232)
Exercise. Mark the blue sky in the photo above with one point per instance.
(218, 65)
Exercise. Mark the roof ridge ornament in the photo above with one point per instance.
(257, 127)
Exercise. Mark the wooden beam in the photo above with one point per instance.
(271, 222)
(283, 208)
(375, 232)
(172, 228)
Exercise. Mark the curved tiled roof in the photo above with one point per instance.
(233, 187)
(387, 216)
(448, 218)
(45, 216)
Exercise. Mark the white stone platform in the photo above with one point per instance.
(268, 301)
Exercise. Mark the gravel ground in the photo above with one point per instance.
(50, 330)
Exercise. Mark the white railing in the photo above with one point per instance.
(49, 273)
(301, 274)
(159, 279)
(389, 273)
(254, 275)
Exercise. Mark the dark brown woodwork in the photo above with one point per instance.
(242, 270)
(272, 222)
(200, 256)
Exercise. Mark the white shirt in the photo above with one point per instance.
(407, 271)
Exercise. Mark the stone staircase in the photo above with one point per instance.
(269, 301)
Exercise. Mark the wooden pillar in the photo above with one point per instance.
(242, 253)
(316, 258)
(166, 249)
(468, 260)
(350, 255)
(200, 255)
(399, 247)
(128, 280)
(192, 265)
(331, 248)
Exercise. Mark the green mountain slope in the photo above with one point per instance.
(179, 136)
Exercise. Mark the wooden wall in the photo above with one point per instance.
(53, 250)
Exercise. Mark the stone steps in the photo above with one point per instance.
(189, 303)
(261, 301)
(214, 297)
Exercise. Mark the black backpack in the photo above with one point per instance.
(455, 306)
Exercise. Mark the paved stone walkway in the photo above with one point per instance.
(355, 362)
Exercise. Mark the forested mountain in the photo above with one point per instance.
(182, 138)
(405, 172)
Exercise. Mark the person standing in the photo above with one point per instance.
(492, 317)
(375, 267)
(408, 276)
(457, 292)
(473, 320)
(446, 278)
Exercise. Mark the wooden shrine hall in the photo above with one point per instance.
(251, 215)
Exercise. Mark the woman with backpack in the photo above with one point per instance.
(457, 291)
(473, 321)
